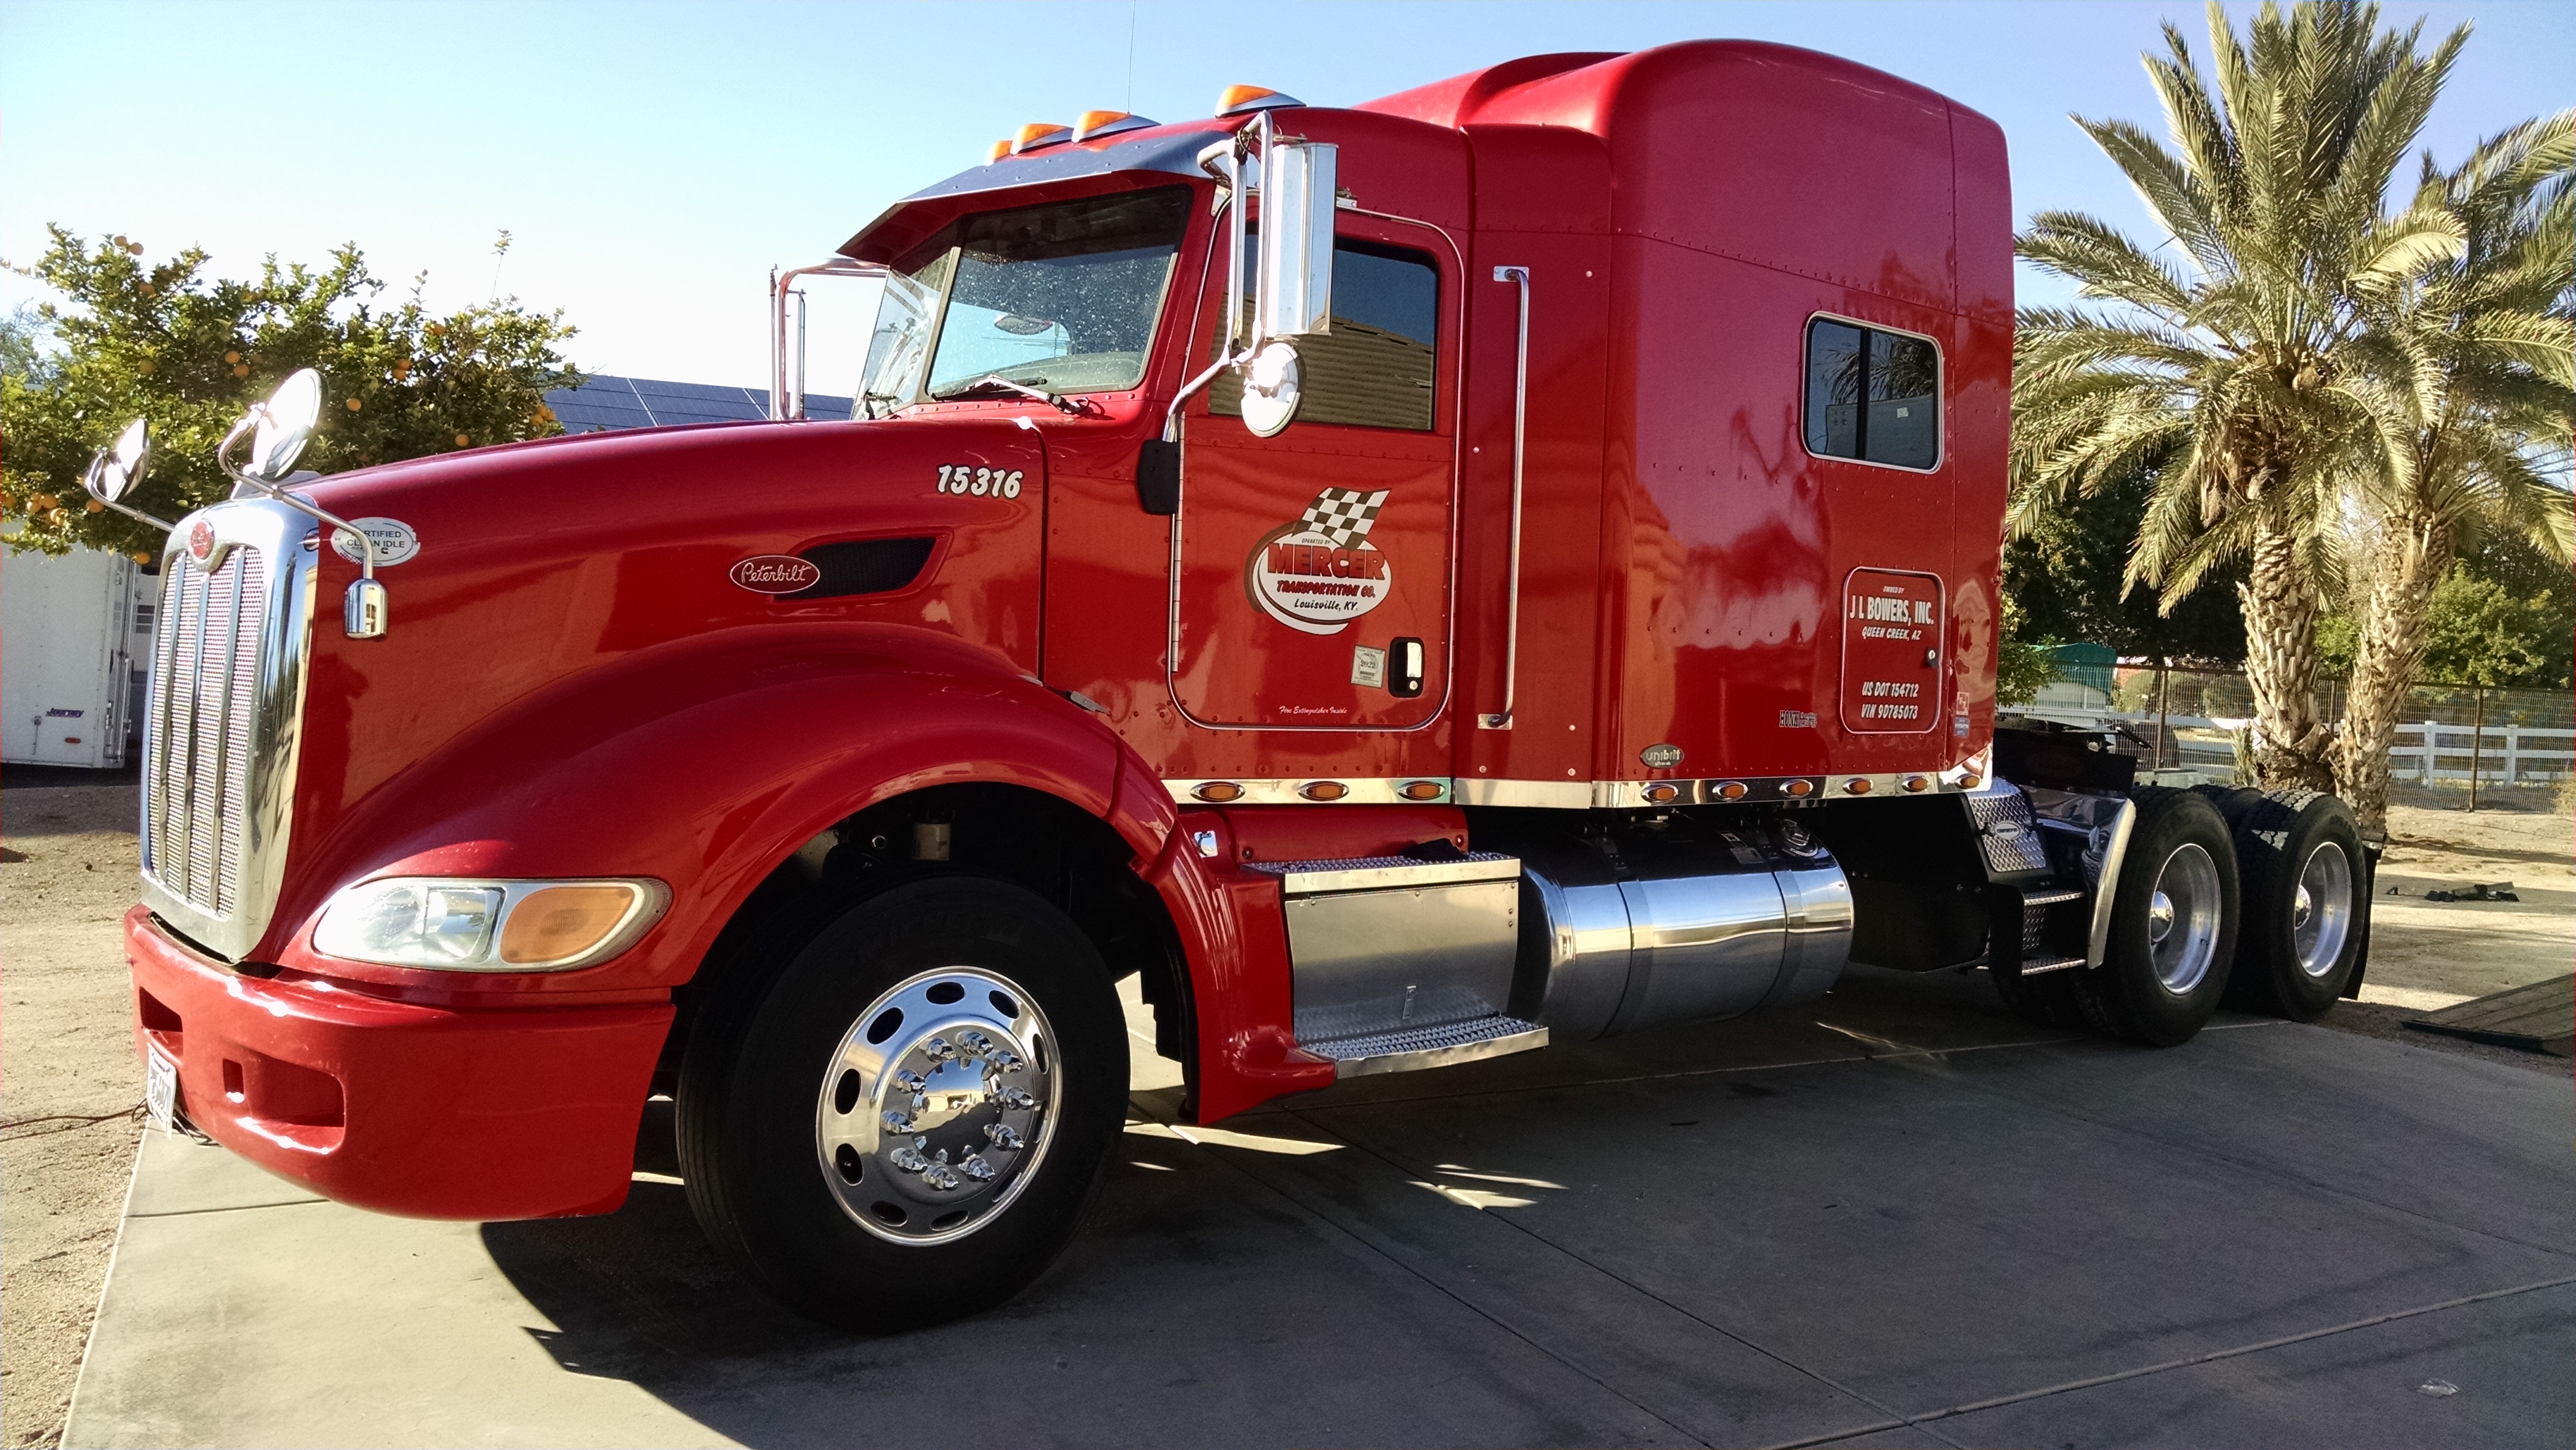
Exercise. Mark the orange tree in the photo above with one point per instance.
(132, 338)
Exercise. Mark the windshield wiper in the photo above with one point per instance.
(995, 380)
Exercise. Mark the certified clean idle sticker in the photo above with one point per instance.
(394, 541)
(1321, 572)
(776, 574)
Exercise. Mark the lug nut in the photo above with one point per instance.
(938, 1050)
(907, 1160)
(911, 1082)
(1003, 1135)
(976, 1168)
(974, 1044)
(1011, 1097)
(898, 1124)
(941, 1176)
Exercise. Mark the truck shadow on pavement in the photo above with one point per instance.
(1883, 1212)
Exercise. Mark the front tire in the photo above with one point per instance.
(904, 1121)
(2174, 915)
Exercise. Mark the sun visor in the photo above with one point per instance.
(1173, 152)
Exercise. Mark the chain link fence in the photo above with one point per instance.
(2458, 747)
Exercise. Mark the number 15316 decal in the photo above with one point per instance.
(979, 482)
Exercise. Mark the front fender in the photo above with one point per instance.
(703, 764)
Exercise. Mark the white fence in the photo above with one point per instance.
(2501, 754)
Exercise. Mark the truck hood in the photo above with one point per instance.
(526, 566)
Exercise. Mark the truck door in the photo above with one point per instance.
(1313, 568)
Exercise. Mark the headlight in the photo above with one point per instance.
(488, 926)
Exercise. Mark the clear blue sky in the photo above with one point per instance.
(654, 161)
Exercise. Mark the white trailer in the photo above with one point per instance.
(75, 632)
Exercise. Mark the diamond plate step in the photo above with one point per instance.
(1421, 1047)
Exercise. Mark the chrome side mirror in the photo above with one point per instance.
(1270, 388)
(1293, 296)
(118, 469)
(278, 430)
(285, 424)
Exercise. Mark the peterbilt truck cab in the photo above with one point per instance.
(1513, 562)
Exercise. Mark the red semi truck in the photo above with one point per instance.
(1515, 561)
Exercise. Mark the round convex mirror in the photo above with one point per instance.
(1270, 388)
(285, 424)
(118, 468)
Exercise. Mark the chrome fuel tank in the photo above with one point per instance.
(1617, 936)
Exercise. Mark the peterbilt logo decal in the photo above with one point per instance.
(1321, 572)
(775, 574)
(201, 541)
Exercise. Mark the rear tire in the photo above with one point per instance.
(969, 1013)
(2174, 915)
(2300, 856)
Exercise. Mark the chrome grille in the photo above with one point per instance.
(221, 719)
(204, 701)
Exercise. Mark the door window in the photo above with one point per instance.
(1379, 366)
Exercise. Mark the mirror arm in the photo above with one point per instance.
(786, 378)
(164, 525)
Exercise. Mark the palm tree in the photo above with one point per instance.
(2469, 368)
(2223, 370)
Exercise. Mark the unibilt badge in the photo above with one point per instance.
(1321, 572)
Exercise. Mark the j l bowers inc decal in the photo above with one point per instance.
(1891, 651)
(775, 574)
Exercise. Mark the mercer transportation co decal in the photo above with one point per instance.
(1891, 651)
(1321, 572)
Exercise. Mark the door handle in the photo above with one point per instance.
(1502, 720)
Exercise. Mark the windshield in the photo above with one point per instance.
(1061, 297)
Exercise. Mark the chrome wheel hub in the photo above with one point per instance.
(937, 1106)
(2321, 916)
(2182, 919)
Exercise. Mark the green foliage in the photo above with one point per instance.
(161, 341)
(2219, 364)
(2068, 572)
(2022, 660)
(2480, 633)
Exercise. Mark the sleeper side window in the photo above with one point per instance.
(1872, 395)
(1376, 368)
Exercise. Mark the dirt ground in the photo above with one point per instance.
(70, 1087)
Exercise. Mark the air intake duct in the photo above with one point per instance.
(1698, 923)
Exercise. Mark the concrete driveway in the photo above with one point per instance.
(1903, 1218)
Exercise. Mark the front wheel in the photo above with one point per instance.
(2174, 916)
(904, 1123)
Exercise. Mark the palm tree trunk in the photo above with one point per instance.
(2281, 664)
(2412, 556)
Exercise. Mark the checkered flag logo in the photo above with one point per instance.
(1344, 515)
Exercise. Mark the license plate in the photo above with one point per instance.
(161, 1088)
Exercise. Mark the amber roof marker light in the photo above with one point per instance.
(1108, 123)
(1242, 100)
(1039, 133)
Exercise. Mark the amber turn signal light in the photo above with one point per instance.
(1323, 790)
(1421, 790)
(1857, 785)
(1730, 790)
(1218, 792)
(1797, 789)
(558, 923)
(1918, 782)
(1662, 793)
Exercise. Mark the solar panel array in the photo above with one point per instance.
(604, 404)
